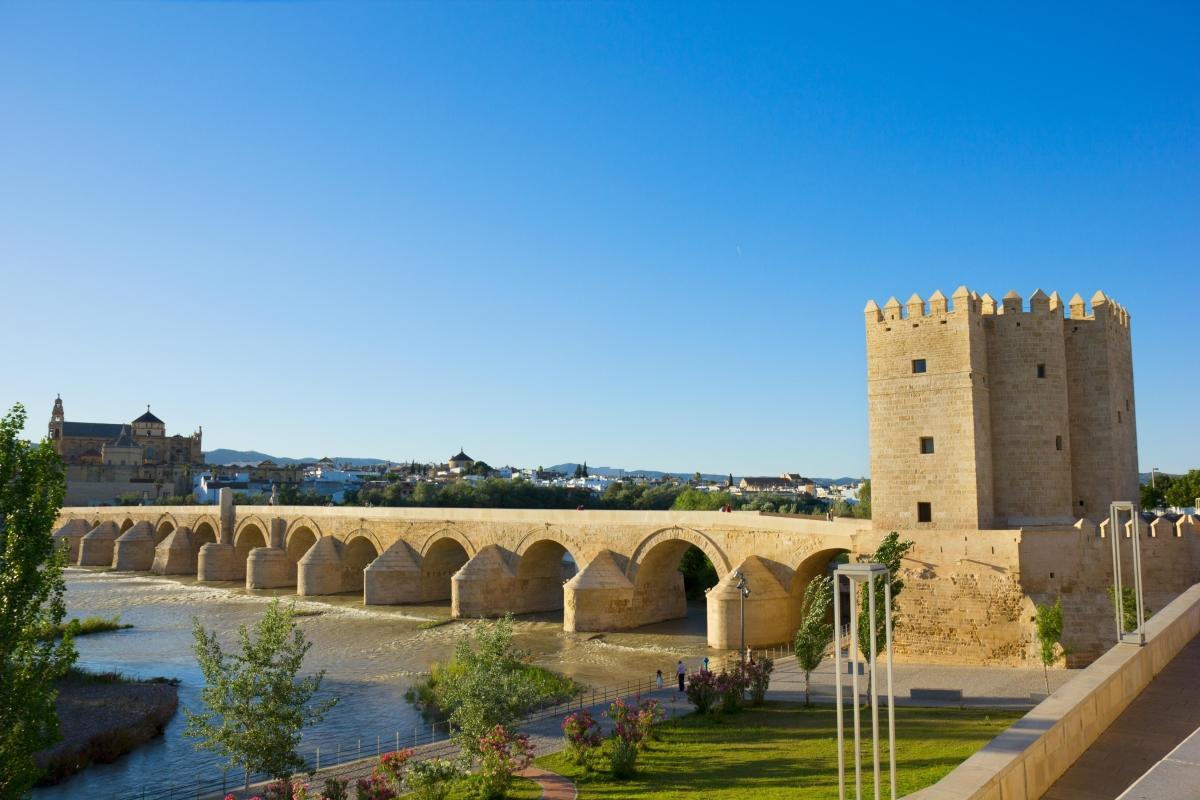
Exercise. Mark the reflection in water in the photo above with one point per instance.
(370, 656)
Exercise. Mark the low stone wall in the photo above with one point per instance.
(1024, 762)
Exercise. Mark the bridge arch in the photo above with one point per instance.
(548, 559)
(296, 542)
(249, 534)
(361, 549)
(442, 555)
(126, 525)
(658, 584)
(163, 527)
(205, 531)
(303, 521)
(677, 534)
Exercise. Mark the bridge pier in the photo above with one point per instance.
(269, 567)
(770, 609)
(68, 536)
(176, 554)
(320, 571)
(219, 562)
(134, 549)
(394, 578)
(485, 586)
(600, 597)
(96, 546)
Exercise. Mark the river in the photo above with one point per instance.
(370, 655)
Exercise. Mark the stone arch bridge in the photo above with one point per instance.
(622, 571)
(968, 594)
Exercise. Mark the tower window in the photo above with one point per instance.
(1058, 443)
(924, 512)
(918, 365)
(926, 445)
(1118, 416)
(1041, 370)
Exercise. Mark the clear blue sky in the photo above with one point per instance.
(640, 235)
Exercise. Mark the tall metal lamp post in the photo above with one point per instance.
(743, 592)
(856, 574)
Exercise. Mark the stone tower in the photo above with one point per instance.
(991, 415)
(56, 421)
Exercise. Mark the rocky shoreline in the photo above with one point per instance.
(103, 717)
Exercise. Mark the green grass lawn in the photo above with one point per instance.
(784, 751)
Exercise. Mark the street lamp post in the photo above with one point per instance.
(743, 592)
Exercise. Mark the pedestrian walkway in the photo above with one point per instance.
(1165, 714)
(554, 786)
(928, 684)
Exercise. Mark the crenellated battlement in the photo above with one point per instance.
(965, 300)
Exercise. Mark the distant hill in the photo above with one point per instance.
(609, 472)
(226, 457)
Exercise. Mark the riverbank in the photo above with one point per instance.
(103, 716)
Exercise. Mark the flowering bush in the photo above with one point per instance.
(430, 780)
(583, 736)
(300, 792)
(702, 690)
(374, 788)
(731, 686)
(335, 789)
(649, 713)
(502, 755)
(391, 768)
(758, 673)
(626, 737)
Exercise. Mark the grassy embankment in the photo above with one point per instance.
(781, 751)
(84, 627)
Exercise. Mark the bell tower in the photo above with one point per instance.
(56, 421)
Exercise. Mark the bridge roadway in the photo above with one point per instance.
(485, 561)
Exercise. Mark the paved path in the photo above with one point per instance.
(554, 786)
(1165, 714)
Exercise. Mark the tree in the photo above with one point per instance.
(255, 705)
(489, 688)
(1152, 495)
(1049, 623)
(1183, 489)
(889, 553)
(816, 632)
(863, 509)
(31, 601)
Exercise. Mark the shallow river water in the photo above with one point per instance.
(370, 656)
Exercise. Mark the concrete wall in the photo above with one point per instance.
(1025, 761)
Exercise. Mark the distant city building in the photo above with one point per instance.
(461, 462)
(106, 462)
(144, 440)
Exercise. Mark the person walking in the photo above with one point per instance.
(658, 680)
(680, 672)
(706, 663)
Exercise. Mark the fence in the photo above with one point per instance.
(326, 754)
